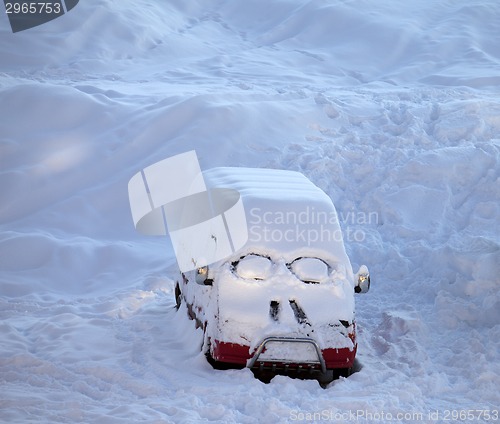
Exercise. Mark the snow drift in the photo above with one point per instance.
(393, 110)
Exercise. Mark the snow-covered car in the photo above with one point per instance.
(285, 300)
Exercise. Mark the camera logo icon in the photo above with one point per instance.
(205, 225)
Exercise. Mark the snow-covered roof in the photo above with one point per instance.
(258, 185)
(285, 212)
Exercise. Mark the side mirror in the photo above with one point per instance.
(362, 279)
(201, 276)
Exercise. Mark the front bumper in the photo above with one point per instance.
(324, 359)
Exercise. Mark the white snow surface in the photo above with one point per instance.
(392, 108)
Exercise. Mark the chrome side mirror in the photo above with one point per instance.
(362, 280)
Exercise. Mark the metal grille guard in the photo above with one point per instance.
(321, 360)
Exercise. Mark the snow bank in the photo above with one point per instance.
(392, 110)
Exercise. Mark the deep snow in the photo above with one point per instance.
(392, 109)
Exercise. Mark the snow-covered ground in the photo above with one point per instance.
(393, 108)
